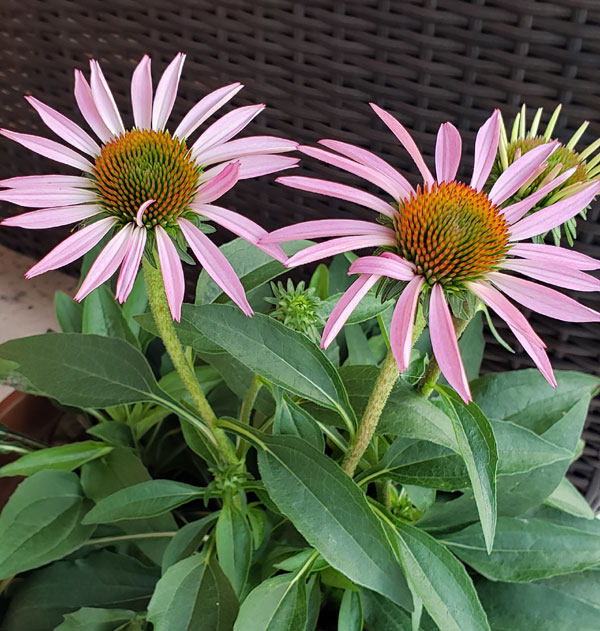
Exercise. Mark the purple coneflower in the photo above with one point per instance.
(144, 184)
(447, 237)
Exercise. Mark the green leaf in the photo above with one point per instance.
(277, 604)
(143, 500)
(440, 581)
(102, 579)
(92, 619)
(41, 522)
(293, 420)
(527, 549)
(359, 351)
(369, 307)
(102, 315)
(319, 281)
(187, 540)
(136, 304)
(193, 595)
(567, 498)
(63, 458)
(477, 444)
(207, 376)
(350, 617)
(281, 356)
(69, 313)
(381, 614)
(320, 499)
(112, 432)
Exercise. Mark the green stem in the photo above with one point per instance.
(250, 399)
(164, 324)
(120, 538)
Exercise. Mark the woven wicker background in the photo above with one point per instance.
(317, 63)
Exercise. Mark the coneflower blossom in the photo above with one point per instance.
(144, 183)
(447, 237)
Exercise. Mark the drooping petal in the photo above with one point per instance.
(553, 255)
(103, 98)
(407, 142)
(395, 267)
(345, 306)
(46, 181)
(544, 300)
(47, 196)
(72, 247)
(52, 217)
(65, 128)
(445, 346)
(320, 228)
(339, 191)
(131, 263)
(338, 246)
(448, 149)
(519, 172)
(366, 173)
(225, 128)
(369, 159)
(561, 277)
(514, 212)
(252, 166)
(107, 262)
(216, 264)
(219, 185)
(50, 149)
(88, 109)
(141, 210)
(205, 108)
(554, 215)
(250, 146)
(172, 272)
(401, 328)
(166, 92)
(539, 356)
(240, 226)
(141, 94)
(486, 148)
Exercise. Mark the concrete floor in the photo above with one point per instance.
(27, 306)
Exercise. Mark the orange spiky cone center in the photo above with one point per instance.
(141, 165)
(452, 233)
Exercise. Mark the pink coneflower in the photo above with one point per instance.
(144, 184)
(448, 237)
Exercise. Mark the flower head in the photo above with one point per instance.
(152, 189)
(297, 307)
(448, 240)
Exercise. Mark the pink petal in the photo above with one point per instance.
(340, 191)
(401, 329)
(141, 94)
(166, 92)
(365, 172)
(250, 146)
(554, 215)
(219, 185)
(519, 172)
(506, 310)
(49, 149)
(88, 109)
(544, 300)
(172, 272)
(216, 264)
(486, 148)
(369, 159)
(141, 210)
(326, 228)
(206, 108)
(553, 255)
(337, 246)
(567, 277)
(345, 306)
(47, 196)
(107, 262)
(514, 212)
(52, 217)
(65, 128)
(46, 181)
(73, 247)
(240, 226)
(103, 98)
(131, 263)
(445, 346)
(407, 142)
(539, 356)
(253, 166)
(225, 128)
(448, 149)
(395, 267)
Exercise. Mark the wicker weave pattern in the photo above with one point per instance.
(317, 63)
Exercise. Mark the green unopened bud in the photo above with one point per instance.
(297, 307)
